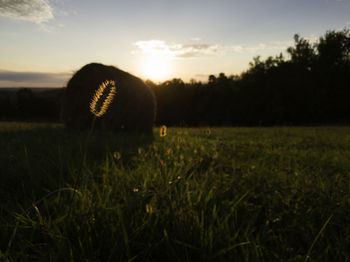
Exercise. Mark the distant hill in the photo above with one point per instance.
(34, 89)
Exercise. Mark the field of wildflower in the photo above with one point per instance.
(189, 194)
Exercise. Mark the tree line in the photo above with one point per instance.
(25, 104)
(308, 86)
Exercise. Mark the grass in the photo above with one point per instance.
(197, 194)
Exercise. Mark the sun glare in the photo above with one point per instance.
(156, 68)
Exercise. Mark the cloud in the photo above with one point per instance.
(34, 77)
(177, 51)
(182, 51)
(202, 77)
(260, 47)
(36, 11)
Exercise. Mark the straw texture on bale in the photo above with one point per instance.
(133, 108)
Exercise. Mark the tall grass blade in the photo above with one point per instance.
(316, 238)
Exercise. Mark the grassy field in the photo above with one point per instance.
(218, 194)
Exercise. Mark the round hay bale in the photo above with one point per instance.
(133, 108)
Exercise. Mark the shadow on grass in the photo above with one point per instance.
(36, 158)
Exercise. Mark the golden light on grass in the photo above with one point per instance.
(103, 97)
(162, 131)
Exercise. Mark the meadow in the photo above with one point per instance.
(196, 194)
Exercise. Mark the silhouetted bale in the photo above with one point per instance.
(133, 107)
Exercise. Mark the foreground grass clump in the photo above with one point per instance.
(219, 194)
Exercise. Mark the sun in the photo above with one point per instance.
(156, 67)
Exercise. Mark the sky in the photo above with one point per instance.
(43, 42)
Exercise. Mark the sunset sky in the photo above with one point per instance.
(43, 42)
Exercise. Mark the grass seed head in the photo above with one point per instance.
(102, 98)
(162, 131)
(116, 155)
(149, 209)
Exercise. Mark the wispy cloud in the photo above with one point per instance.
(178, 51)
(37, 11)
(273, 46)
(175, 51)
(34, 77)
